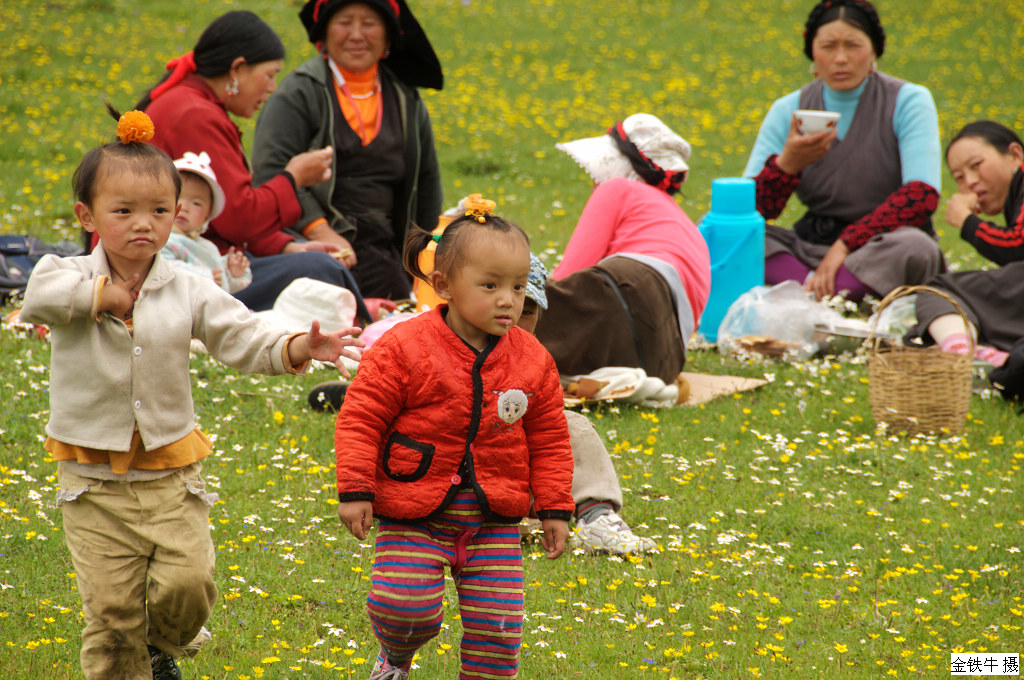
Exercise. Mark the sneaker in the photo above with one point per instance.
(163, 664)
(201, 638)
(328, 396)
(384, 670)
(609, 533)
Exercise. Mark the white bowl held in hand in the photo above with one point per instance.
(811, 122)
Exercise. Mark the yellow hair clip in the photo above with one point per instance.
(478, 208)
(135, 126)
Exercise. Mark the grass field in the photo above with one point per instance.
(797, 539)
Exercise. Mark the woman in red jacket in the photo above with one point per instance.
(454, 418)
(233, 69)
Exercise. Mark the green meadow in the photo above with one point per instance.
(796, 538)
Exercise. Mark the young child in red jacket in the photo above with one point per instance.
(454, 418)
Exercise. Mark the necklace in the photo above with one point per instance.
(342, 86)
(376, 87)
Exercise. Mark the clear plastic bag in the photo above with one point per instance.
(897, 318)
(775, 321)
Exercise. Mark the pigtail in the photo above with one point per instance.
(114, 113)
(415, 243)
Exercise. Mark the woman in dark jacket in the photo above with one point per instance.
(359, 96)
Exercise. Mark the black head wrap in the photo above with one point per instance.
(235, 34)
(316, 14)
(232, 35)
(858, 13)
(411, 57)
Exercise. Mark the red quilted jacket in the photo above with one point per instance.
(427, 415)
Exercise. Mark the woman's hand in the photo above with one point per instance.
(823, 281)
(959, 207)
(803, 150)
(312, 167)
(324, 234)
(344, 255)
(309, 246)
(556, 533)
(357, 516)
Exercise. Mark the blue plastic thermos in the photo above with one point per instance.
(734, 232)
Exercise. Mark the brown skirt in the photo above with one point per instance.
(585, 326)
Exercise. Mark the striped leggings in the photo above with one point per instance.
(486, 562)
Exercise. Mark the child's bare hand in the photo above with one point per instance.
(556, 533)
(238, 263)
(357, 516)
(334, 345)
(218, 276)
(119, 298)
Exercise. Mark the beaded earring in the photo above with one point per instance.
(232, 87)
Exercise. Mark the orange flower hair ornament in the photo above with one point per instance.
(135, 126)
(478, 207)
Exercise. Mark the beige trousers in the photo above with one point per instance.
(593, 475)
(144, 561)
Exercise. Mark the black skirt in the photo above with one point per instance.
(993, 301)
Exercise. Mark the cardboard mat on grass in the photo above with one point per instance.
(705, 387)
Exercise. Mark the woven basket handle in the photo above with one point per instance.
(903, 291)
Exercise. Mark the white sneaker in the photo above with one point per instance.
(609, 533)
(201, 638)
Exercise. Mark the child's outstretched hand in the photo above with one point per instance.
(357, 516)
(556, 533)
(333, 345)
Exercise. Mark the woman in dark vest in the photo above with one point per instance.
(359, 96)
(870, 184)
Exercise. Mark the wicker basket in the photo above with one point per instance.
(918, 389)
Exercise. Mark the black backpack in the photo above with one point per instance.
(19, 254)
